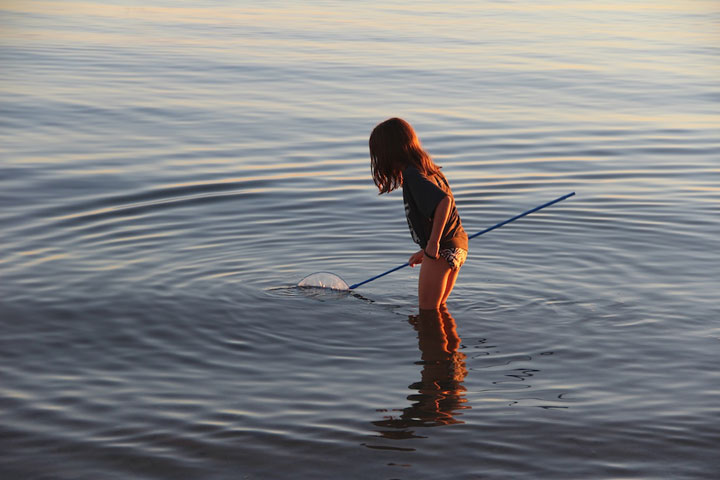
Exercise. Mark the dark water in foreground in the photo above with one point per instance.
(169, 173)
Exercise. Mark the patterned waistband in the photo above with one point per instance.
(454, 256)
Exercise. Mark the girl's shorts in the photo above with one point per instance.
(454, 256)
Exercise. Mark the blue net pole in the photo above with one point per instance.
(498, 225)
(532, 210)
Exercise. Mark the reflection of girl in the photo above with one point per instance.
(397, 158)
(441, 388)
(440, 392)
(438, 341)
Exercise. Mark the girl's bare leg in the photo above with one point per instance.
(449, 285)
(435, 277)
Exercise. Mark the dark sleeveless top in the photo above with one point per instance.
(421, 196)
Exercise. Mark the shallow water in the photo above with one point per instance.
(169, 173)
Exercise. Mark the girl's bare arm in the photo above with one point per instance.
(442, 212)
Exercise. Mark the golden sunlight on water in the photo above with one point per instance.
(169, 171)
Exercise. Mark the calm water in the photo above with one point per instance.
(169, 171)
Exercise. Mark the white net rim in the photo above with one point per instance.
(327, 280)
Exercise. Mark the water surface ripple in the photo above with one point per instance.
(168, 173)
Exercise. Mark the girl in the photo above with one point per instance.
(397, 158)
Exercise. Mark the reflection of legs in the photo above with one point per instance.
(431, 336)
(449, 329)
(433, 282)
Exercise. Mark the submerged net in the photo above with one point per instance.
(324, 280)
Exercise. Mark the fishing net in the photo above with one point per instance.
(324, 280)
(331, 281)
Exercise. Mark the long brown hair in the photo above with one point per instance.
(394, 146)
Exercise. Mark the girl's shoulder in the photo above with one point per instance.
(415, 179)
(414, 173)
(411, 174)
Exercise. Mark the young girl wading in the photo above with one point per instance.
(397, 159)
